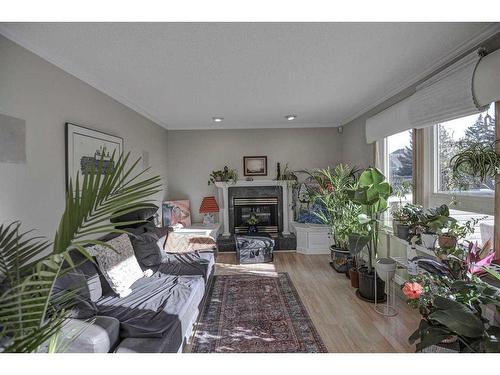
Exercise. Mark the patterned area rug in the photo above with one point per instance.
(255, 314)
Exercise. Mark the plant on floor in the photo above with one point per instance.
(31, 312)
(371, 194)
(451, 303)
(224, 175)
(339, 212)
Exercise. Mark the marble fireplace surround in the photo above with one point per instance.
(224, 196)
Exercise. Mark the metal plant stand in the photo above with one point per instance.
(387, 308)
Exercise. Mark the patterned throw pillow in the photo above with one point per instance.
(119, 267)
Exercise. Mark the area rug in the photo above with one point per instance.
(255, 314)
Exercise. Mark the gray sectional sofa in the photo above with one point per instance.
(156, 317)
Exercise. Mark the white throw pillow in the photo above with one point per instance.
(119, 267)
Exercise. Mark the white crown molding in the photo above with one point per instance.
(487, 32)
(86, 78)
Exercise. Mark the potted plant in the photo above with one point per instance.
(338, 212)
(455, 231)
(252, 222)
(405, 218)
(224, 175)
(451, 304)
(371, 194)
(430, 223)
(398, 215)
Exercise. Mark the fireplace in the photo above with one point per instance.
(265, 202)
(264, 208)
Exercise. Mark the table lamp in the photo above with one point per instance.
(208, 207)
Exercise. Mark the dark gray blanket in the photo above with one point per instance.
(153, 307)
(254, 242)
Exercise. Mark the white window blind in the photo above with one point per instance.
(464, 88)
(447, 95)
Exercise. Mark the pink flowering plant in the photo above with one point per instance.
(451, 303)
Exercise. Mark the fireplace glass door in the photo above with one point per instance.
(264, 209)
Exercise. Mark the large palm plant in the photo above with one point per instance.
(339, 212)
(30, 311)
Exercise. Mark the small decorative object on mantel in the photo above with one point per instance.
(278, 171)
(225, 175)
(255, 165)
(209, 207)
(249, 178)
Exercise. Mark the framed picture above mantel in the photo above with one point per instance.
(86, 147)
(255, 165)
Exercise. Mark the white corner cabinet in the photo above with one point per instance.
(312, 238)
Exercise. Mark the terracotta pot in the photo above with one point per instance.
(447, 242)
(354, 276)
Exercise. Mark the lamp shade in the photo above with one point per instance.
(209, 205)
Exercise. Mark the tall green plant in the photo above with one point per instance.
(371, 193)
(339, 212)
(30, 312)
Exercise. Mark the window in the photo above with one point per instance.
(396, 156)
(399, 162)
(452, 137)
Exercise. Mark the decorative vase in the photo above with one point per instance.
(429, 240)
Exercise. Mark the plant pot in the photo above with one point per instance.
(367, 285)
(353, 275)
(403, 231)
(386, 268)
(340, 259)
(395, 224)
(429, 240)
(252, 229)
(447, 242)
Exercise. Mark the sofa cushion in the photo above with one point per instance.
(156, 305)
(146, 249)
(119, 265)
(196, 263)
(74, 280)
(91, 274)
(141, 214)
(99, 336)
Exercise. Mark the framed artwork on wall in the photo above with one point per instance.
(176, 212)
(86, 147)
(255, 165)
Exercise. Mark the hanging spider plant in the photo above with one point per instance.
(31, 313)
(478, 160)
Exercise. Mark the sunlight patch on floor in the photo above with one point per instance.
(263, 269)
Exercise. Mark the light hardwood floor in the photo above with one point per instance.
(345, 323)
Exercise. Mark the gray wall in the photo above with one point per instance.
(192, 155)
(47, 97)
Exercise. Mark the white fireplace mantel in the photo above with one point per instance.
(224, 204)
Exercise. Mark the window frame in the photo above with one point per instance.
(482, 203)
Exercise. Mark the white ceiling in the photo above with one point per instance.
(180, 75)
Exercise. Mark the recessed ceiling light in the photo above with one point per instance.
(217, 119)
(291, 117)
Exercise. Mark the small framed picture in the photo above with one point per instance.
(255, 165)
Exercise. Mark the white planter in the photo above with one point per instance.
(429, 240)
(386, 268)
(312, 238)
